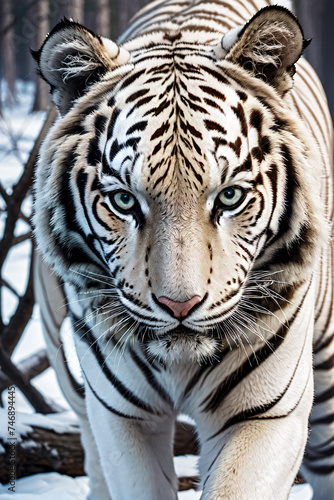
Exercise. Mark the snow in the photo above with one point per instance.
(59, 422)
(51, 486)
(18, 129)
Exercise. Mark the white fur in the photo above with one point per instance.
(252, 431)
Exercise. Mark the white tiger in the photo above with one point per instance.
(184, 198)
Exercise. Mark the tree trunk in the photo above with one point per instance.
(75, 10)
(8, 46)
(316, 19)
(42, 97)
(126, 10)
(43, 450)
(102, 18)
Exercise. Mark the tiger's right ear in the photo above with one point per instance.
(72, 58)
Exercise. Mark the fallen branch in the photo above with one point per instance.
(44, 450)
(185, 439)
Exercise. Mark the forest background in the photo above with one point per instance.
(23, 26)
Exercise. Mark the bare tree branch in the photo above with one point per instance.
(31, 393)
(21, 188)
(21, 238)
(11, 333)
(29, 367)
(25, 218)
(4, 194)
(5, 283)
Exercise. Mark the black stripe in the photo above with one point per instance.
(74, 253)
(323, 344)
(96, 215)
(257, 412)
(205, 371)
(136, 95)
(240, 113)
(116, 383)
(140, 103)
(193, 381)
(131, 79)
(291, 184)
(108, 407)
(160, 131)
(210, 125)
(140, 126)
(161, 178)
(213, 92)
(216, 75)
(81, 181)
(216, 397)
(99, 122)
(315, 453)
(149, 376)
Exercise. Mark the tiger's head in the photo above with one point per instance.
(177, 180)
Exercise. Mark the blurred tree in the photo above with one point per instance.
(102, 20)
(126, 10)
(7, 45)
(75, 10)
(316, 19)
(41, 21)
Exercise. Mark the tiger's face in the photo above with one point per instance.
(183, 187)
(191, 198)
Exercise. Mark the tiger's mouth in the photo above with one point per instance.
(181, 332)
(182, 342)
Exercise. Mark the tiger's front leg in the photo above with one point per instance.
(256, 460)
(253, 429)
(136, 456)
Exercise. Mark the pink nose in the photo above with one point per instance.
(180, 309)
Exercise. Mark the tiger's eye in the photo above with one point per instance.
(124, 200)
(231, 196)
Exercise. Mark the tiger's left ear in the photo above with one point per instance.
(268, 46)
(72, 58)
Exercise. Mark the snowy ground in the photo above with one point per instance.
(18, 129)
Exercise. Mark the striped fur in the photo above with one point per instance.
(191, 164)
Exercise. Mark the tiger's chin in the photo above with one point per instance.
(185, 345)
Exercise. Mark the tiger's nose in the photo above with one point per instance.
(180, 309)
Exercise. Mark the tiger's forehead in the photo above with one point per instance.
(182, 125)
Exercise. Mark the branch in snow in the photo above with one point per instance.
(30, 392)
(52, 443)
(30, 367)
(43, 449)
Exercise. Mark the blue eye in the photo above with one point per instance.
(231, 196)
(124, 200)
